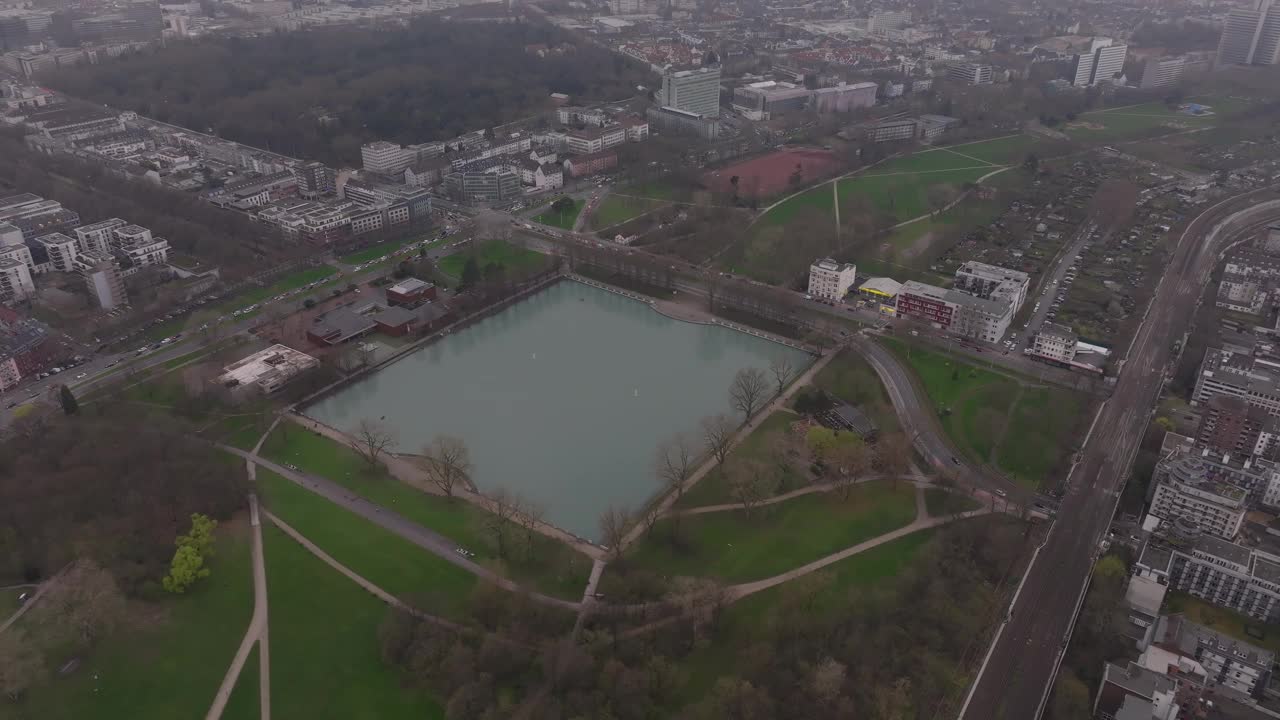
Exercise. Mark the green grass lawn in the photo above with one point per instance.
(818, 199)
(171, 663)
(906, 196)
(561, 219)
(616, 209)
(942, 502)
(975, 406)
(1225, 621)
(245, 702)
(746, 617)
(713, 489)
(1042, 431)
(382, 557)
(325, 660)
(9, 601)
(510, 256)
(373, 252)
(931, 161)
(735, 547)
(1010, 150)
(1122, 122)
(554, 568)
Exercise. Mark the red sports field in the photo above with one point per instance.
(770, 174)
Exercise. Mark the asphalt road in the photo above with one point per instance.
(1043, 303)
(1015, 681)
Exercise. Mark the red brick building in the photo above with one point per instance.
(590, 164)
(410, 292)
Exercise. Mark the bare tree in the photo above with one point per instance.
(614, 522)
(747, 391)
(448, 463)
(783, 452)
(502, 505)
(893, 454)
(717, 433)
(529, 513)
(850, 461)
(674, 463)
(782, 370)
(83, 600)
(372, 438)
(749, 484)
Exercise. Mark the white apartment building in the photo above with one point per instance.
(1162, 72)
(98, 236)
(956, 312)
(385, 158)
(1217, 508)
(1109, 63)
(1251, 36)
(992, 282)
(970, 73)
(696, 91)
(1234, 374)
(62, 251)
(594, 140)
(103, 278)
(1243, 579)
(1056, 342)
(830, 280)
(15, 281)
(22, 254)
(9, 374)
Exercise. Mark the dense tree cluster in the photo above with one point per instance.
(427, 81)
(114, 489)
(897, 651)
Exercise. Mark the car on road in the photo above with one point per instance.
(82, 376)
(1001, 493)
(464, 552)
(955, 460)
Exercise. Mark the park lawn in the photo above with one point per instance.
(616, 209)
(946, 380)
(906, 196)
(746, 618)
(849, 377)
(557, 569)
(941, 502)
(1042, 429)
(325, 659)
(563, 220)
(171, 663)
(403, 569)
(978, 421)
(1010, 150)
(712, 488)
(501, 252)
(736, 547)
(817, 199)
(241, 430)
(373, 252)
(926, 161)
(9, 601)
(1227, 622)
(245, 702)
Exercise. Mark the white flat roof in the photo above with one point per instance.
(275, 359)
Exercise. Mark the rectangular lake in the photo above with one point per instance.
(562, 397)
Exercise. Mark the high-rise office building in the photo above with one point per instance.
(1161, 72)
(1103, 62)
(696, 91)
(1251, 37)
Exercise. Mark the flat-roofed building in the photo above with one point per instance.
(15, 280)
(831, 280)
(1055, 342)
(1238, 374)
(410, 292)
(1187, 491)
(696, 91)
(955, 312)
(267, 370)
(61, 250)
(992, 282)
(98, 236)
(103, 278)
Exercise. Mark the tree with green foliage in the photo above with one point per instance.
(186, 568)
(1165, 423)
(188, 564)
(69, 404)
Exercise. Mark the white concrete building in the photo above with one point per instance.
(62, 251)
(267, 370)
(1056, 342)
(992, 282)
(103, 278)
(830, 280)
(15, 281)
(385, 158)
(98, 236)
(1217, 508)
(696, 91)
(970, 73)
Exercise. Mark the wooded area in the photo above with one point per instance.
(428, 81)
